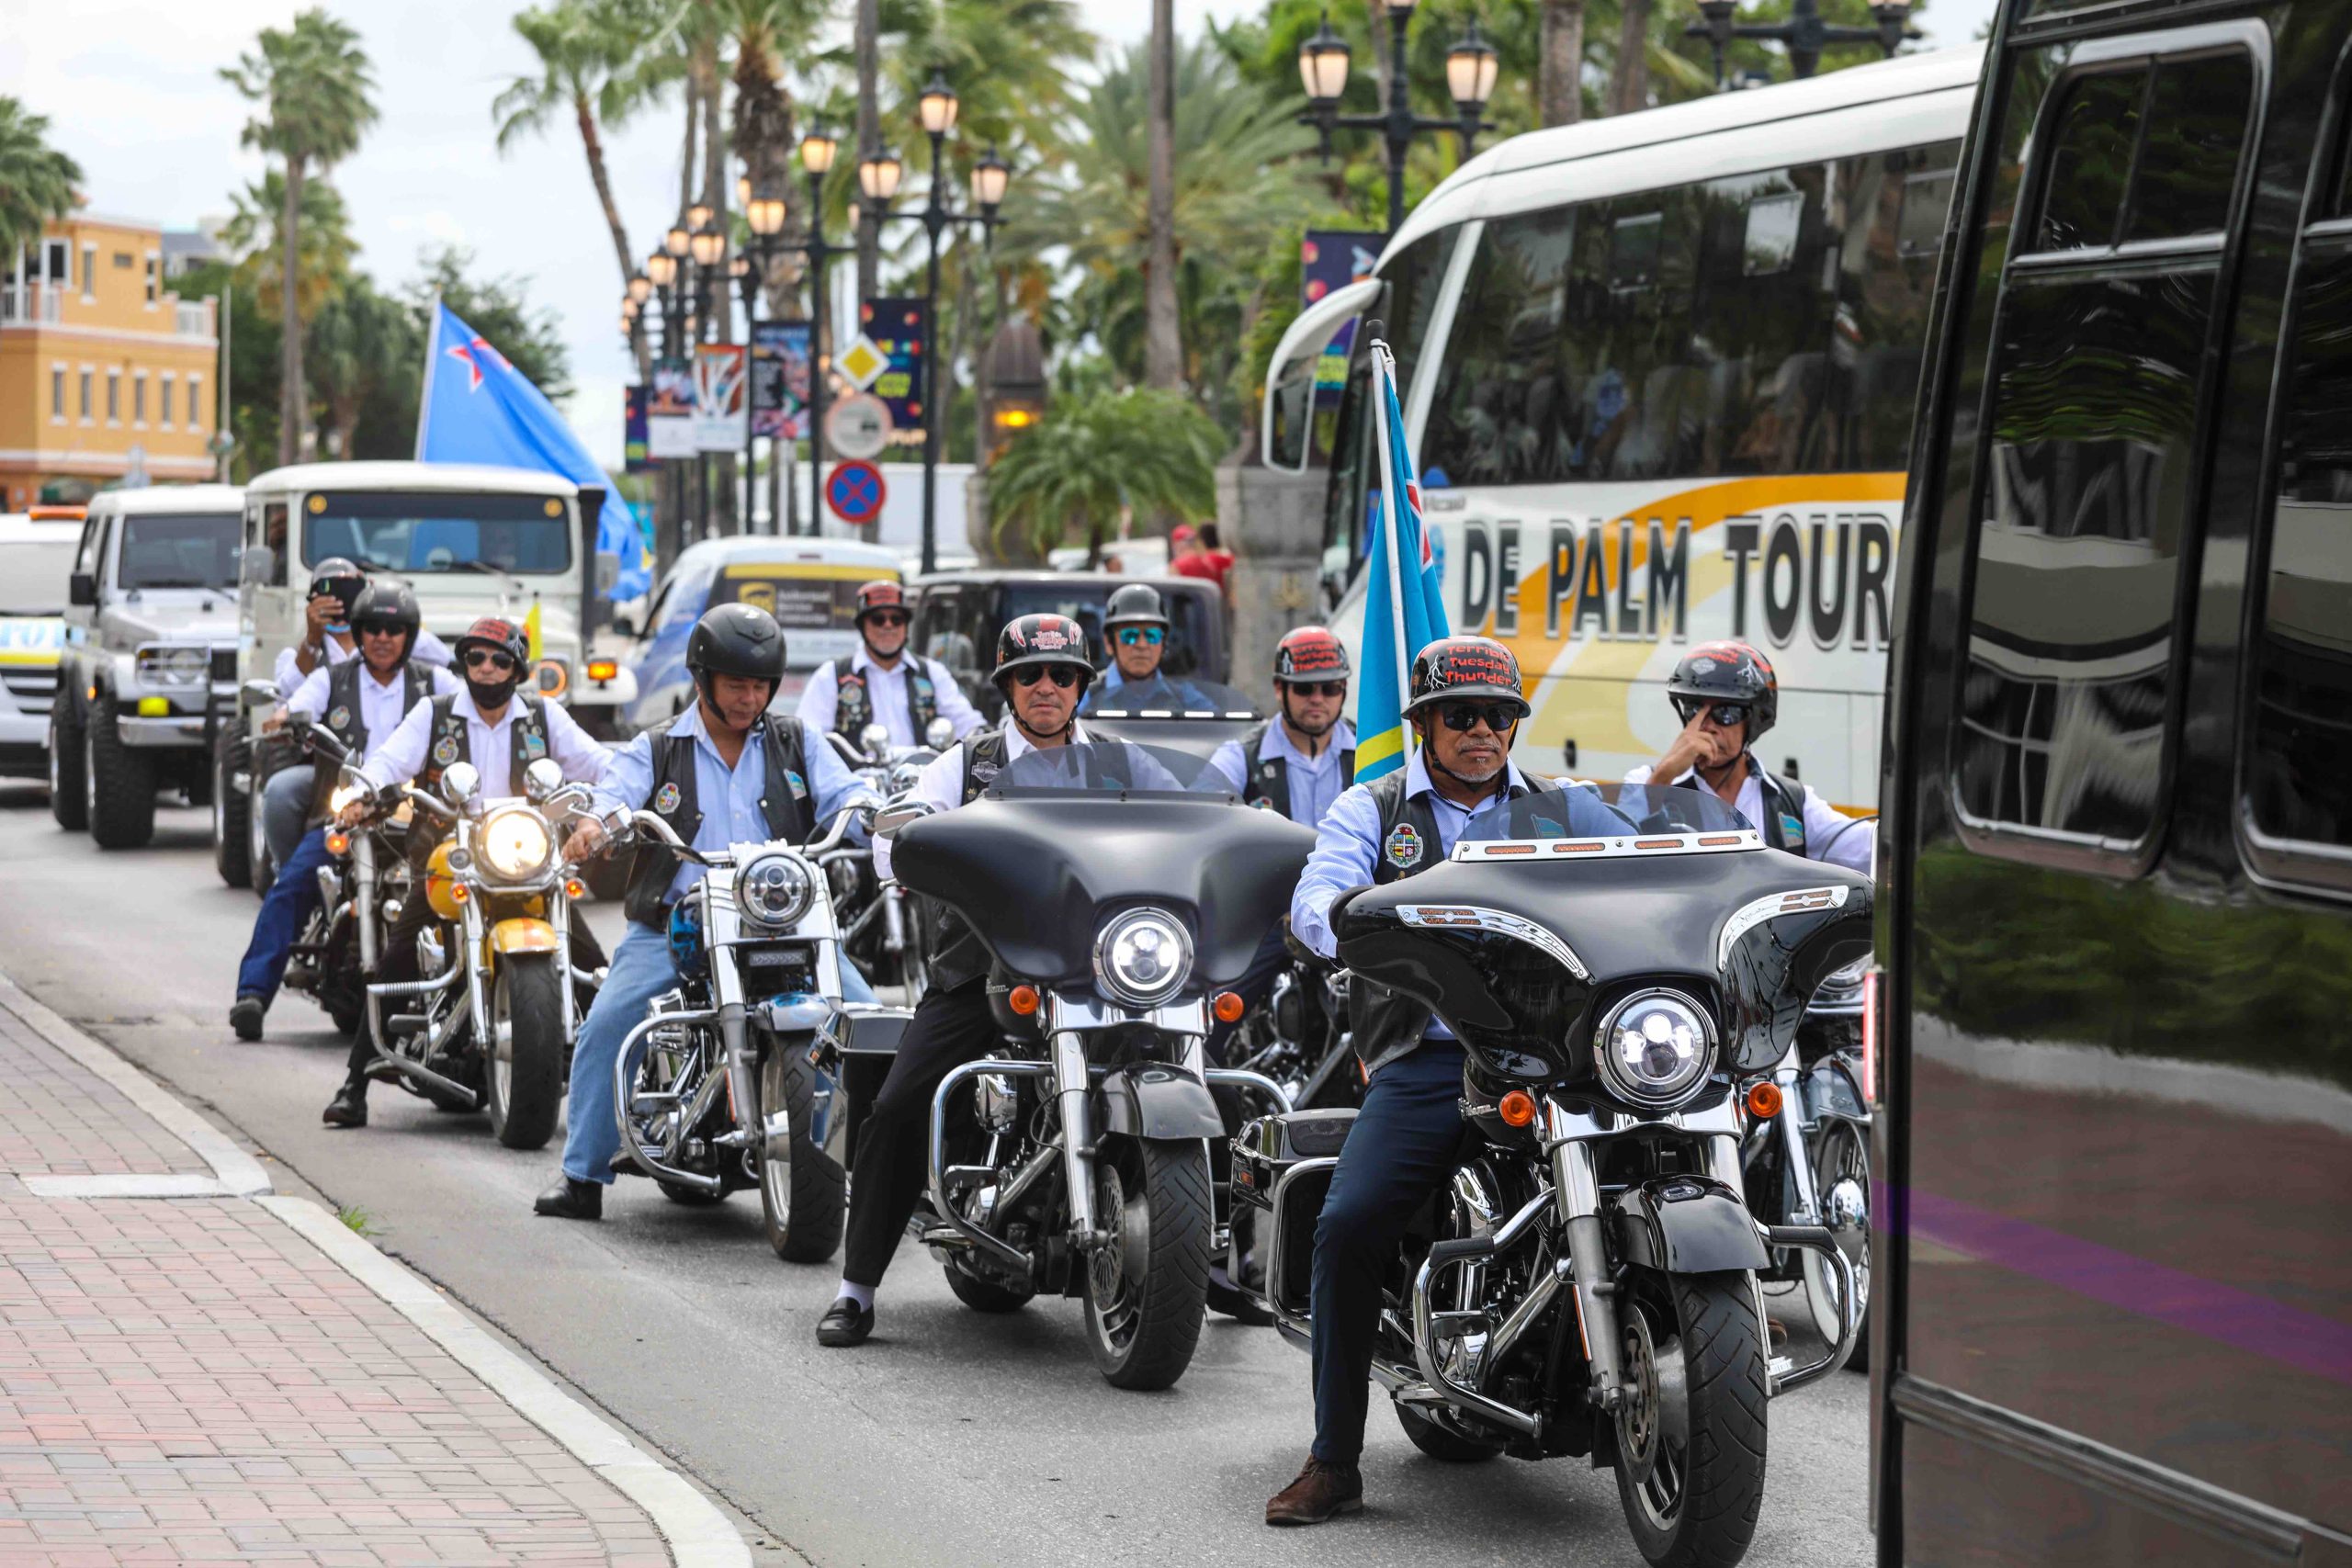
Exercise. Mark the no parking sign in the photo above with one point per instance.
(854, 491)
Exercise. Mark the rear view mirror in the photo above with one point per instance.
(256, 564)
(608, 573)
(82, 588)
(887, 822)
(939, 734)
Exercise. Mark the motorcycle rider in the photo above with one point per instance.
(882, 682)
(1465, 705)
(498, 730)
(353, 700)
(724, 772)
(1727, 697)
(1042, 668)
(1135, 640)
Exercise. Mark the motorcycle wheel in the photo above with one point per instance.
(1440, 1444)
(1841, 1175)
(803, 1202)
(1148, 1287)
(230, 847)
(68, 801)
(522, 1069)
(1690, 1435)
(985, 1295)
(120, 787)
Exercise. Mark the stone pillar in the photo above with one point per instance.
(1272, 522)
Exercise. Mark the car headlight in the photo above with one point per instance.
(1655, 1048)
(1142, 958)
(175, 666)
(515, 843)
(775, 890)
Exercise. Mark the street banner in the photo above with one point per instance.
(900, 328)
(722, 404)
(670, 412)
(1404, 610)
(1329, 259)
(636, 457)
(780, 380)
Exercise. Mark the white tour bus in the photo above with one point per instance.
(1657, 372)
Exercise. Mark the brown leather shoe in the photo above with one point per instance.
(1321, 1492)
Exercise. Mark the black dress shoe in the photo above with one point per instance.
(571, 1200)
(845, 1324)
(349, 1106)
(244, 1017)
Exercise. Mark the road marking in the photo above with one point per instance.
(236, 1174)
(699, 1535)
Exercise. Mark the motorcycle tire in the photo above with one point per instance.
(804, 1199)
(69, 800)
(120, 787)
(985, 1295)
(1697, 1506)
(1441, 1444)
(1155, 1199)
(1841, 1152)
(232, 847)
(522, 1069)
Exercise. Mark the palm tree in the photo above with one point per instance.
(36, 180)
(1094, 458)
(1560, 90)
(362, 343)
(588, 53)
(322, 244)
(1163, 357)
(313, 82)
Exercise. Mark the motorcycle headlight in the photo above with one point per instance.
(775, 890)
(1142, 958)
(515, 843)
(1655, 1048)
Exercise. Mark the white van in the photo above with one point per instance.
(36, 559)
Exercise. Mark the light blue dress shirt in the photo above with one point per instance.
(1314, 782)
(730, 798)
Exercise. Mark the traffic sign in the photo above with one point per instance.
(858, 426)
(861, 361)
(854, 491)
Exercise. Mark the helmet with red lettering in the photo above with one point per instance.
(1730, 673)
(879, 595)
(1470, 668)
(1309, 655)
(1041, 641)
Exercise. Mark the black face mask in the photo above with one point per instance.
(490, 695)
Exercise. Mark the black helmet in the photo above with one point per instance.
(494, 631)
(1310, 654)
(1136, 604)
(1727, 672)
(736, 639)
(1465, 668)
(393, 602)
(1042, 639)
(339, 578)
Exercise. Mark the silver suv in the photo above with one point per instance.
(151, 641)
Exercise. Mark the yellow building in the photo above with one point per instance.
(102, 369)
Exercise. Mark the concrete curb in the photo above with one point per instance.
(236, 1174)
(699, 1535)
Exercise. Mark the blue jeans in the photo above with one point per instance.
(642, 970)
(1403, 1147)
(290, 902)
(285, 806)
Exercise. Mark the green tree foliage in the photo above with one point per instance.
(36, 180)
(1097, 456)
(256, 229)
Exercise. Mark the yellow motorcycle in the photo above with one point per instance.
(497, 1021)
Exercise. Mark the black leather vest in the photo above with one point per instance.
(1387, 1025)
(957, 955)
(786, 804)
(347, 721)
(1266, 780)
(853, 699)
(1783, 824)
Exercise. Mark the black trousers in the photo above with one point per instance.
(949, 1029)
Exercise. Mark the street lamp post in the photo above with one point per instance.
(764, 215)
(763, 208)
(879, 173)
(708, 247)
(662, 271)
(1804, 34)
(1470, 67)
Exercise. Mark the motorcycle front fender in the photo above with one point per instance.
(1157, 1102)
(1830, 1091)
(1684, 1225)
(522, 934)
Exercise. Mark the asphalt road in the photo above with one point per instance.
(949, 1439)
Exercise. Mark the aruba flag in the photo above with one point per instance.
(1404, 608)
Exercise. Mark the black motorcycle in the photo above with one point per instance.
(1620, 964)
(360, 891)
(1116, 895)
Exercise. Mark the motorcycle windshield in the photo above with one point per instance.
(1067, 837)
(1607, 813)
(1186, 698)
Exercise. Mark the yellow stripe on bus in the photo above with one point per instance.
(13, 657)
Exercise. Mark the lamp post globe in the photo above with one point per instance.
(990, 177)
(1470, 69)
(817, 150)
(937, 106)
(1323, 62)
(640, 286)
(677, 240)
(879, 173)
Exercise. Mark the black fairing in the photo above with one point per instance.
(1632, 920)
(1036, 877)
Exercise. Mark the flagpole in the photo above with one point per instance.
(432, 354)
(1392, 515)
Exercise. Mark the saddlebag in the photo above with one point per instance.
(1283, 1165)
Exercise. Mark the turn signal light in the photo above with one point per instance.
(459, 893)
(603, 668)
(337, 843)
(1229, 1007)
(1764, 1100)
(1023, 1000)
(1517, 1109)
(575, 888)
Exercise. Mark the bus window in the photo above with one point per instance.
(2085, 503)
(1889, 214)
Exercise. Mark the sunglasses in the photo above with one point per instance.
(1723, 716)
(1064, 676)
(1466, 716)
(488, 659)
(888, 618)
(1131, 637)
(381, 628)
(1320, 688)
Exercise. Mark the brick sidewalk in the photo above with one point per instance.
(192, 1382)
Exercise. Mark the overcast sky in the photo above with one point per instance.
(132, 92)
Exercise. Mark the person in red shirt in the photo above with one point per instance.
(1197, 554)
